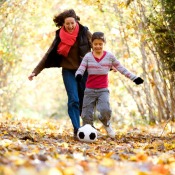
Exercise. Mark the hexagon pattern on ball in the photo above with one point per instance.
(87, 133)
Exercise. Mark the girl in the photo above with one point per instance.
(98, 63)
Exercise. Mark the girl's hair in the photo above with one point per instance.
(59, 19)
(98, 35)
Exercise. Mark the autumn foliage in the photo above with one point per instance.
(47, 147)
(35, 131)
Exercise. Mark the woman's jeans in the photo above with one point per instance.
(75, 93)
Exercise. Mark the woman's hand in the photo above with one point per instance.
(30, 77)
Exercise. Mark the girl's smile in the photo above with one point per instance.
(97, 46)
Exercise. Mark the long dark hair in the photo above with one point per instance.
(59, 19)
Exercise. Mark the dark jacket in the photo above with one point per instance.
(53, 59)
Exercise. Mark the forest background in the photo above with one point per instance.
(139, 33)
(35, 137)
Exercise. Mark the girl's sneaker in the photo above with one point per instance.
(110, 131)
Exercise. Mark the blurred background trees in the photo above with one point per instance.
(139, 33)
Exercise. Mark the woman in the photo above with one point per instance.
(71, 43)
(98, 63)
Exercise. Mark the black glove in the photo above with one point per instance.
(79, 77)
(138, 81)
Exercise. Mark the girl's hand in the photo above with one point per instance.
(30, 77)
(79, 77)
(138, 81)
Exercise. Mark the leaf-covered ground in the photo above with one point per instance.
(46, 147)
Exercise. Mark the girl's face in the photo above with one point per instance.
(98, 45)
(69, 24)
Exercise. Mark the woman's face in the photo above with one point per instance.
(98, 45)
(69, 24)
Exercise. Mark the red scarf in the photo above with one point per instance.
(67, 40)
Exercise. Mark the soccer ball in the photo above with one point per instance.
(87, 133)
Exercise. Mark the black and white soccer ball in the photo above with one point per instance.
(87, 133)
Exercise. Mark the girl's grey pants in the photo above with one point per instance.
(98, 98)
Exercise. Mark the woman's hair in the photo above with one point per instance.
(98, 35)
(59, 19)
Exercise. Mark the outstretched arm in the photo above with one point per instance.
(79, 73)
(82, 66)
(137, 80)
(31, 76)
(41, 64)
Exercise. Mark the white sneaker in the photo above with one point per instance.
(110, 131)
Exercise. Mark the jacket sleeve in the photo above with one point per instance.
(89, 35)
(41, 64)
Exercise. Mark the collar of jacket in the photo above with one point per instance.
(53, 59)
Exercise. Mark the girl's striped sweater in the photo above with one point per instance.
(103, 67)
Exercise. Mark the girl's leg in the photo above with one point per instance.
(89, 102)
(103, 107)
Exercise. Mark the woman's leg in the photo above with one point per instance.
(73, 99)
(81, 89)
